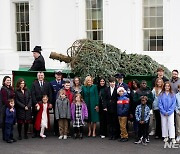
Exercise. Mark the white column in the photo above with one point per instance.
(47, 21)
(106, 21)
(9, 60)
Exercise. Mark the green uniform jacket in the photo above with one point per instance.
(91, 98)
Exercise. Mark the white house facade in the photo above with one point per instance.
(138, 26)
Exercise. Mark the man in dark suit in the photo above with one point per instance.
(56, 85)
(40, 87)
(111, 101)
(39, 63)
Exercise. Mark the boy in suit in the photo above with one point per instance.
(111, 101)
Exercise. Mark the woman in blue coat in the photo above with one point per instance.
(167, 102)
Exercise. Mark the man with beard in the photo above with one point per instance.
(175, 81)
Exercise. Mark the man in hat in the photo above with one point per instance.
(39, 63)
(120, 79)
(56, 85)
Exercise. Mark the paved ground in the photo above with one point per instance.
(51, 145)
(85, 146)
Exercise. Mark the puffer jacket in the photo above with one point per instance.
(139, 112)
(123, 106)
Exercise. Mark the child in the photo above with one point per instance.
(142, 117)
(178, 114)
(10, 119)
(79, 112)
(122, 112)
(62, 113)
(111, 101)
(167, 102)
(42, 119)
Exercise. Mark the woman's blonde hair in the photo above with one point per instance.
(156, 85)
(86, 80)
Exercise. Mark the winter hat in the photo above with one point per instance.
(121, 88)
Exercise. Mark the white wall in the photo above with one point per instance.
(56, 24)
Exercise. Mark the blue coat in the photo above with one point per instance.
(167, 103)
(10, 116)
(155, 102)
(55, 88)
(139, 112)
(123, 106)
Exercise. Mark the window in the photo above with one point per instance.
(94, 20)
(153, 25)
(22, 26)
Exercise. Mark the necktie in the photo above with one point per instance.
(41, 83)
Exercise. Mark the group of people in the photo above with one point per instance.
(111, 102)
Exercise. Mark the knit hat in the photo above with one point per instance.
(121, 88)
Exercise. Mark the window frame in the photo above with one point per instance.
(20, 44)
(148, 40)
(95, 33)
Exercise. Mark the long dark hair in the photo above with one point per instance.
(19, 83)
(4, 79)
(78, 79)
(131, 84)
(163, 89)
(99, 86)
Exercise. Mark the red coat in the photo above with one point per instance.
(37, 124)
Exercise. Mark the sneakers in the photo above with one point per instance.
(166, 139)
(102, 136)
(42, 135)
(124, 140)
(75, 136)
(178, 139)
(65, 137)
(144, 141)
(173, 140)
(147, 140)
(152, 133)
(9, 141)
(138, 141)
(60, 137)
(81, 136)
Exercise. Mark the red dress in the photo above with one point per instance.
(37, 124)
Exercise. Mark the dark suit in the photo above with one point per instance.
(37, 94)
(38, 64)
(111, 102)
